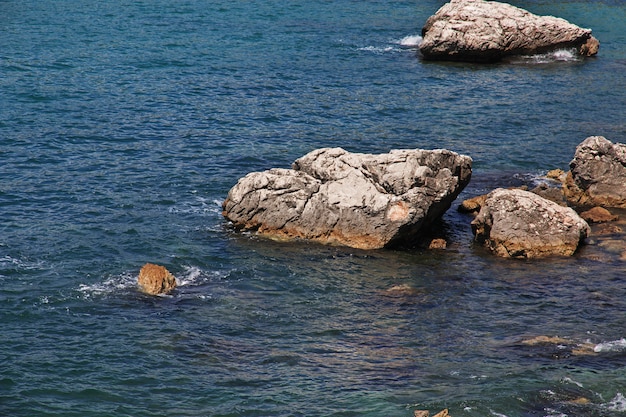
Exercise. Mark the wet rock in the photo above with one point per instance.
(472, 205)
(520, 224)
(363, 201)
(597, 175)
(437, 244)
(556, 175)
(156, 279)
(550, 193)
(426, 413)
(478, 30)
(598, 215)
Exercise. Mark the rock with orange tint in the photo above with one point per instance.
(156, 279)
(359, 200)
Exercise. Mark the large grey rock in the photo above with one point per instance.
(478, 30)
(597, 175)
(360, 200)
(520, 224)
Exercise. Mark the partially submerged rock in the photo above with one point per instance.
(597, 175)
(598, 215)
(478, 30)
(364, 201)
(520, 224)
(156, 279)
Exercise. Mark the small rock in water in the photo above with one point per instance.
(156, 279)
(598, 215)
(437, 244)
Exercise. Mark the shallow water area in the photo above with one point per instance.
(124, 125)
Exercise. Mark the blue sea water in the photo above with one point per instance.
(123, 124)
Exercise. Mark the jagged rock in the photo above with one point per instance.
(597, 175)
(478, 30)
(360, 200)
(520, 224)
(156, 279)
(473, 204)
(556, 174)
(598, 215)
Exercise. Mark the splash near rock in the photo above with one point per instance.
(363, 201)
(156, 279)
(487, 31)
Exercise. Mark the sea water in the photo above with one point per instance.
(123, 124)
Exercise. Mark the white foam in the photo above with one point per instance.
(116, 283)
(200, 205)
(618, 403)
(559, 55)
(612, 346)
(378, 49)
(411, 41)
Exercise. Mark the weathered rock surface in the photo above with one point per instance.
(598, 215)
(520, 224)
(597, 175)
(360, 200)
(478, 30)
(156, 279)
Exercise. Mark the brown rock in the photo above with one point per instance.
(545, 340)
(598, 215)
(437, 244)
(156, 279)
(442, 413)
(472, 205)
(556, 174)
(421, 413)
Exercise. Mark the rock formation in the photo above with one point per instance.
(156, 279)
(597, 175)
(598, 215)
(520, 224)
(487, 31)
(360, 200)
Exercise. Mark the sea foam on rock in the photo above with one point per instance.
(487, 31)
(359, 200)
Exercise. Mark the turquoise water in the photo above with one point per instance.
(124, 124)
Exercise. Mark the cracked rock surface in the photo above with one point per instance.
(520, 224)
(478, 30)
(359, 200)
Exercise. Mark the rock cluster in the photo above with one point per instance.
(359, 200)
(156, 279)
(479, 30)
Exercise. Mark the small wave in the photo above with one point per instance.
(410, 41)
(200, 205)
(8, 262)
(378, 49)
(559, 55)
(613, 346)
(117, 283)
